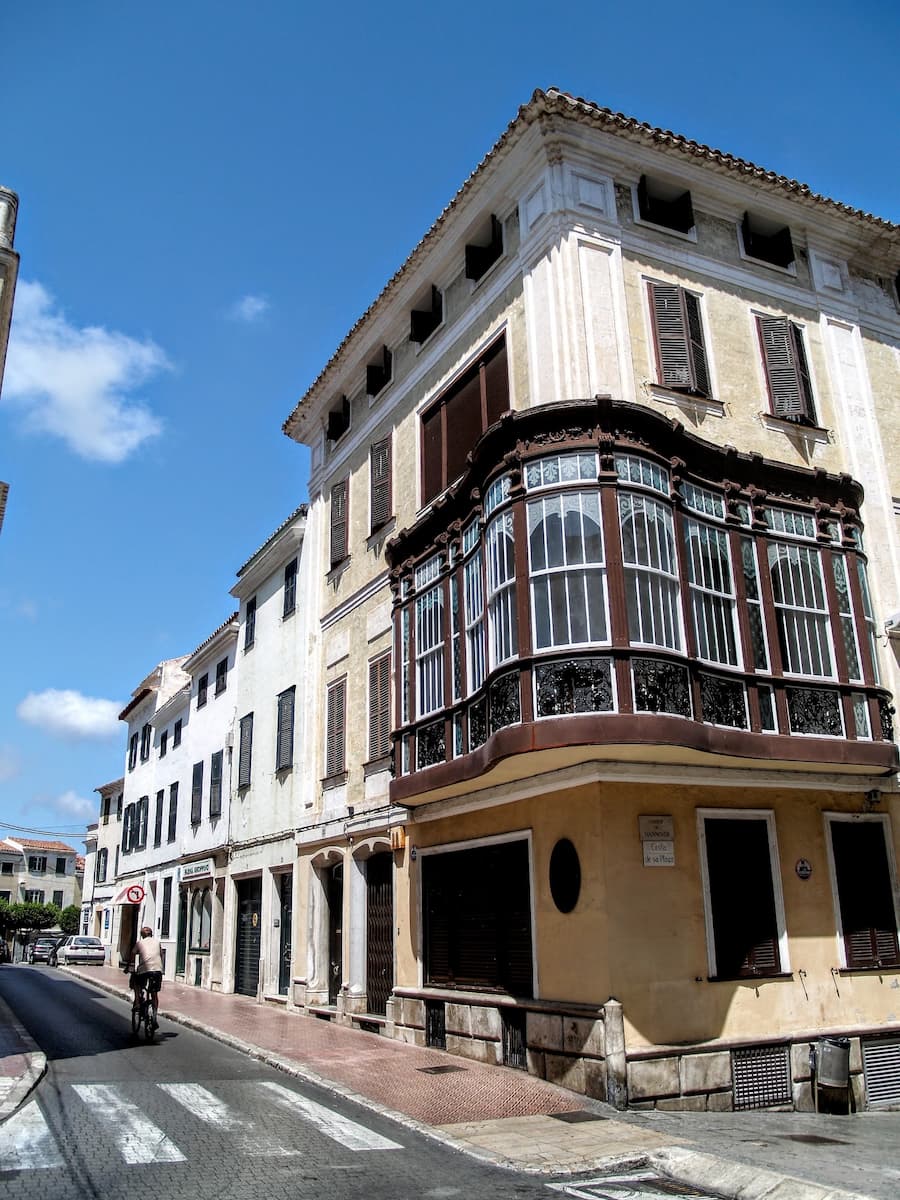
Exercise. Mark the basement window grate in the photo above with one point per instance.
(514, 1050)
(761, 1076)
(881, 1066)
(435, 1025)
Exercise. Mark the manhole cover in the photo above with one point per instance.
(812, 1139)
(439, 1070)
(577, 1117)
(639, 1185)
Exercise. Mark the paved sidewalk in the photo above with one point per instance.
(518, 1121)
(21, 1062)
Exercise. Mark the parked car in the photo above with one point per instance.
(41, 948)
(78, 949)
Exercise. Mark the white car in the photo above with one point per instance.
(76, 949)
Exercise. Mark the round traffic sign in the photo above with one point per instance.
(135, 893)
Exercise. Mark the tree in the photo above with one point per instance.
(70, 919)
(27, 917)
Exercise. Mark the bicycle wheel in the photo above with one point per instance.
(135, 1021)
(149, 1027)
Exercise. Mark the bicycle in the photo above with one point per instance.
(144, 1016)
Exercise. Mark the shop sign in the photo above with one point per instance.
(196, 870)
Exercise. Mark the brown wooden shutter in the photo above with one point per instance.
(173, 812)
(284, 744)
(787, 373)
(679, 339)
(215, 784)
(335, 728)
(380, 707)
(339, 522)
(868, 919)
(196, 793)
(380, 479)
(245, 751)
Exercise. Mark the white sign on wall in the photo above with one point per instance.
(195, 870)
(657, 840)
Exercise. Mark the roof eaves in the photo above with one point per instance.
(229, 625)
(300, 511)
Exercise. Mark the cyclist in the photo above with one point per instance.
(148, 951)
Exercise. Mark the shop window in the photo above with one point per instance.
(201, 919)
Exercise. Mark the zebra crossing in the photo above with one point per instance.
(27, 1141)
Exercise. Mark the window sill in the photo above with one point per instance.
(376, 765)
(286, 616)
(689, 236)
(790, 271)
(693, 404)
(867, 970)
(333, 781)
(813, 435)
(752, 979)
(336, 570)
(285, 769)
(377, 536)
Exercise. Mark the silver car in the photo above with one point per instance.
(77, 949)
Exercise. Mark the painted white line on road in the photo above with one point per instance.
(137, 1138)
(26, 1142)
(332, 1124)
(207, 1107)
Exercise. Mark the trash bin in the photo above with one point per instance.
(833, 1062)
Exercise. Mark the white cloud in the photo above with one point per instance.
(78, 383)
(68, 714)
(71, 804)
(249, 309)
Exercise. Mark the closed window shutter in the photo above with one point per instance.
(173, 811)
(284, 747)
(215, 784)
(339, 522)
(246, 751)
(679, 339)
(380, 472)
(166, 906)
(335, 732)
(868, 919)
(196, 793)
(158, 823)
(786, 369)
(380, 707)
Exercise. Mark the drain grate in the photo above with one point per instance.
(761, 1076)
(578, 1117)
(881, 1063)
(439, 1070)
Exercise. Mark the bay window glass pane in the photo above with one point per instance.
(845, 611)
(711, 592)
(430, 651)
(568, 590)
(800, 608)
(501, 587)
(651, 572)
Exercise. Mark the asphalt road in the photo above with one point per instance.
(189, 1117)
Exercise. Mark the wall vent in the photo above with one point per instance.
(881, 1065)
(761, 1076)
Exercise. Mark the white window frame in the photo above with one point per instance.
(706, 592)
(871, 818)
(659, 579)
(500, 580)
(804, 615)
(743, 814)
(430, 638)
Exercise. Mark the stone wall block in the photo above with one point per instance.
(474, 1048)
(458, 1019)
(486, 1023)
(566, 1072)
(544, 1031)
(720, 1102)
(536, 1064)
(653, 1077)
(595, 1084)
(705, 1072)
(584, 1036)
(412, 1012)
(682, 1104)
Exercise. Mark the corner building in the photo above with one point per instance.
(603, 532)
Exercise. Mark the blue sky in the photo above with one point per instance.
(211, 193)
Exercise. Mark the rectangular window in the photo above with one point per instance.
(104, 810)
(197, 794)
(221, 676)
(60, 866)
(102, 865)
(500, 559)
(651, 572)
(202, 689)
(787, 373)
(867, 917)
(58, 899)
(163, 743)
(742, 910)
(678, 330)
(176, 733)
(477, 918)
(711, 589)
(456, 420)
(215, 784)
(158, 817)
(380, 483)
(290, 588)
(284, 743)
(565, 547)
(245, 751)
(339, 522)
(380, 707)
(34, 896)
(173, 812)
(142, 819)
(767, 241)
(250, 623)
(37, 864)
(6, 868)
(801, 610)
(664, 204)
(430, 650)
(133, 743)
(166, 915)
(473, 599)
(146, 739)
(336, 714)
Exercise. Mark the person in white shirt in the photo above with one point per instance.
(148, 952)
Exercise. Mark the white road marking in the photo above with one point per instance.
(245, 1134)
(137, 1138)
(26, 1142)
(332, 1124)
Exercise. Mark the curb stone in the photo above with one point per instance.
(738, 1180)
(18, 1089)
